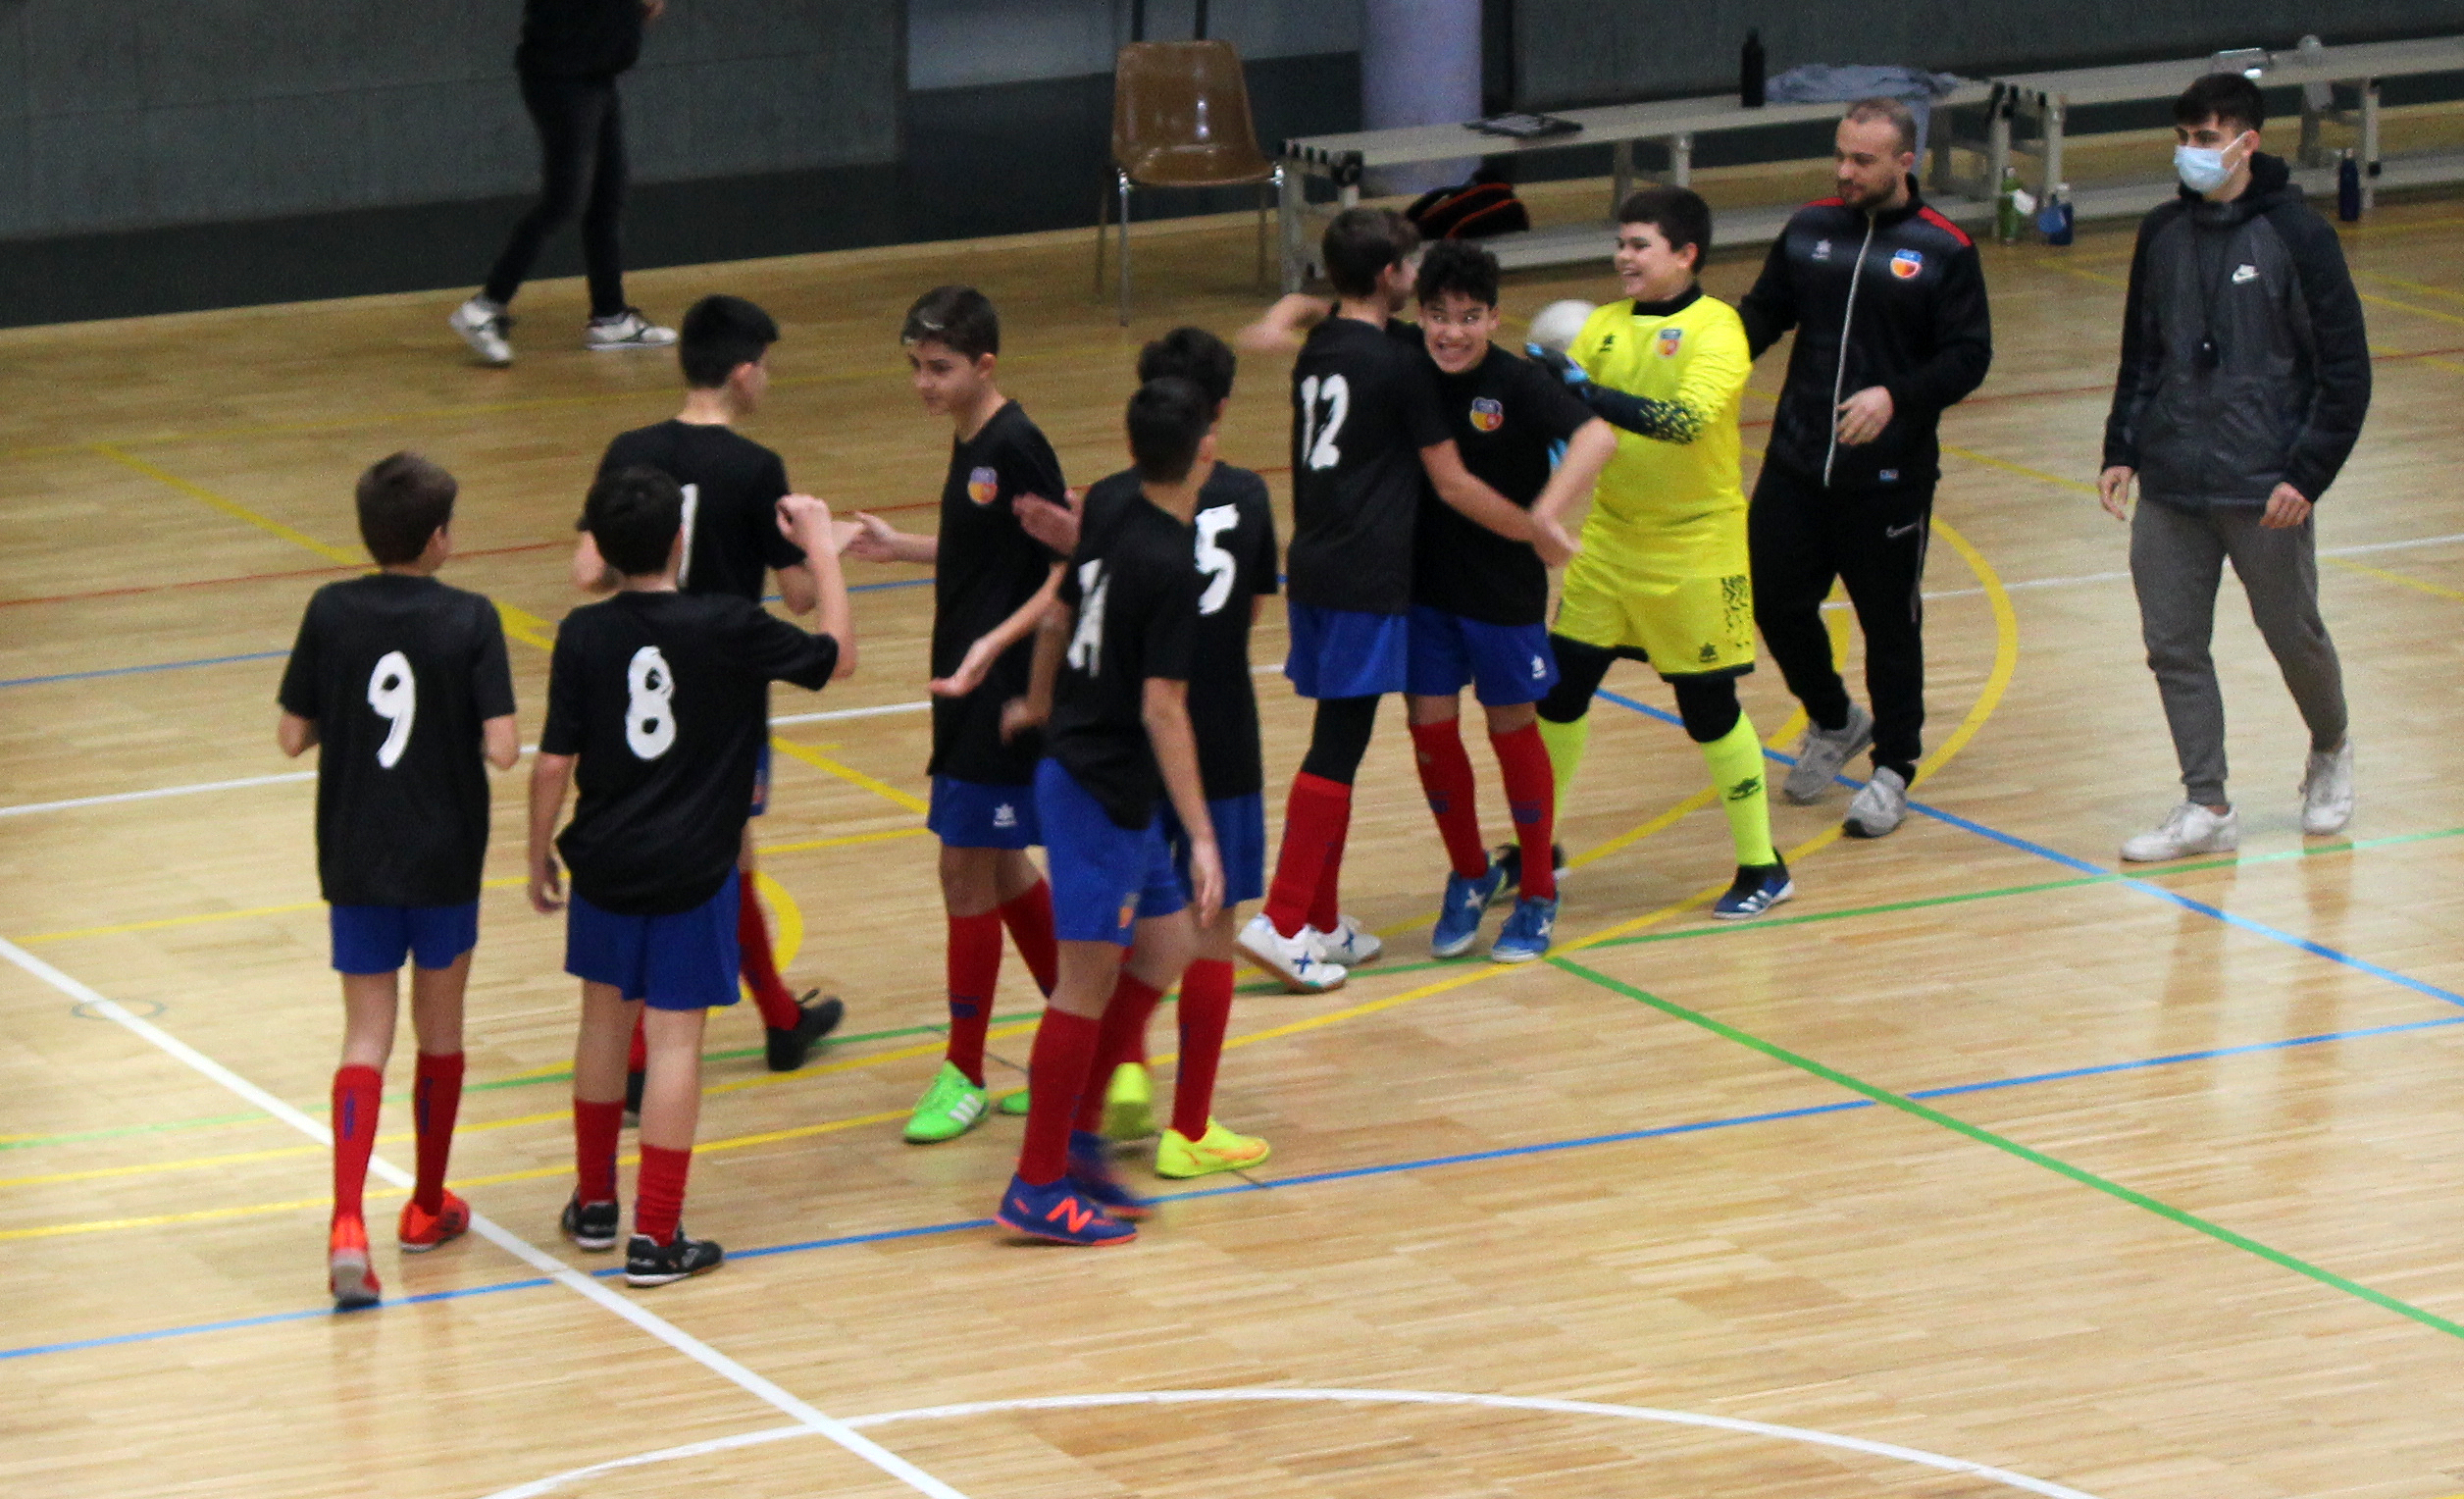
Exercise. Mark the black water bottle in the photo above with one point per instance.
(1750, 71)
(2348, 190)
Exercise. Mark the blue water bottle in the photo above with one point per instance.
(2055, 219)
(2348, 189)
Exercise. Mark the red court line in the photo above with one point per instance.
(297, 572)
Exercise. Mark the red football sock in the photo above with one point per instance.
(975, 955)
(594, 1130)
(1326, 906)
(357, 1091)
(1531, 792)
(436, 1098)
(1446, 777)
(1206, 1012)
(754, 961)
(658, 1200)
(1118, 1040)
(638, 1060)
(1057, 1073)
(1029, 917)
(1313, 821)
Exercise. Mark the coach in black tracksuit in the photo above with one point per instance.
(1888, 303)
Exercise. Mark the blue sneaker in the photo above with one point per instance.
(1059, 1212)
(1757, 889)
(1527, 931)
(1090, 1172)
(1459, 919)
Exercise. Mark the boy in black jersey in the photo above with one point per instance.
(991, 584)
(1368, 437)
(1110, 677)
(657, 705)
(731, 487)
(1235, 536)
(1479, 602)
(403, 685)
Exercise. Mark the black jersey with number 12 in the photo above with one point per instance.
(732, 488)
(398, 673)
(1135, 585)
(988, 567)
(1362, 410)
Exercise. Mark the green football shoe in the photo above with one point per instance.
(1015, 1104)
(948, 1108)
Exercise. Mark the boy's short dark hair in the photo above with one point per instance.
(1459, 266)
(1678, 213)
(402, 500)
(633, 515)
(719, 333)
(960, 319)
(1167, 419)
(1195, 355)
(2222, 96)
(1360, 243)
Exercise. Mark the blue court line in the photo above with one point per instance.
(1317, 1178)
(122, 671)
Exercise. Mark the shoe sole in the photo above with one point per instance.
(409, 1246)
(1047, 1236)
(1512, 956)
(1291, 982)
(912, 1138)
(646, 1282)
(353, 1287)
(1210, 1167)
(1447, 950)
(1859, 830)
(594, 1246)
(480, 351)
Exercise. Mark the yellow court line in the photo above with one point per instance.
(2008, 467)
(789, 917)
(2419, 312)
(851, 775)
(2423, 287)
(2399, 579)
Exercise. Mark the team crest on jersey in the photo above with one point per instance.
(983, 485)
(1906, 263)
(1487, 414)
(1670, 340)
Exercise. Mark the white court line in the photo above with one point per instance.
(1934, 1460)
(2079, 578)
(26, 808)
(807, 1419)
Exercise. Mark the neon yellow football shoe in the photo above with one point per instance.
(1180, 1157)
(1129, 1104)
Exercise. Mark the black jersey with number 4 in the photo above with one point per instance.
(732, 488)
(1234, 528)
(663, 697)
(1135, 585)
(988, 567)
(398, 673)
(1508, 417)
(1361, 412)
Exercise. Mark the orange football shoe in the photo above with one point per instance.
(422, 1230)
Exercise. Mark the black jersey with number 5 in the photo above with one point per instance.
(1135, 585)
(398, 673)
(988, 567)
(731, 487)
(1235, 532)
(664, 698)
(1362, 410)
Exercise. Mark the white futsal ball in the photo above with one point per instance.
(1557, 326)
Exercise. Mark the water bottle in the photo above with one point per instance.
(2055, 220)
(1750, 71)
(2006, 220)
(2348, 189)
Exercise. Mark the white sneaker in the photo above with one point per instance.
(1821, 753)
(2327, 790)
(482, 325)
(628, 328)
(1879, 806)
(2186, 830)
(1293, 960)
(1350, 944)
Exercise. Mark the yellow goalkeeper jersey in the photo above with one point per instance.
(1674, 494)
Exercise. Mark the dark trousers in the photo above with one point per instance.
(582, 150)
(1801, 537)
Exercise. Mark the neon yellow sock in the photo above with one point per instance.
(1735, 759)
(1564, 743)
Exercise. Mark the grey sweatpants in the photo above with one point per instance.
(2177, 560)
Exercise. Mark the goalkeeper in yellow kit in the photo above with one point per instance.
(1661, 576)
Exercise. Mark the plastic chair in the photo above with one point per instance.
(1180, 119)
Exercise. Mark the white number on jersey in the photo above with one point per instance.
(692, 506)
(395, 698)
(1318, 432)
(1212, 560)
(650, 710)
(1086, 648)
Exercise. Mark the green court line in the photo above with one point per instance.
(28, 1142)
(2008, 1146)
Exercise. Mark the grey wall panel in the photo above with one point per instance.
(964, 43)
(79, 56)
(14, 189)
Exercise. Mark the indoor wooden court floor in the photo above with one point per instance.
(1983, 1167)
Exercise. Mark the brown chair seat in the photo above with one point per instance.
(1181, 119)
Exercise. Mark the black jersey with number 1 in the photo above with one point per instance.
(663, 696)
(1508, 418)
(1135, 585)
(731, 487)
(1361, 412)
(988, 567)
(398, 673)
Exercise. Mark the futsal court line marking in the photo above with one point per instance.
(659, 1327)
(1738, 1425)
(364, 565)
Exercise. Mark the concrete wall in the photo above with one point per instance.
(127, 114)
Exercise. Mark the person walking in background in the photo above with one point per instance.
(2244, 378)
(571, 54)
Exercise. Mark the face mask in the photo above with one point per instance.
(2202, 169)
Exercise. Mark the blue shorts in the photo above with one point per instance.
(1502, 664)
(1240, 837)
(971, 815)
(1105, 878)
(1347, 652)
(687, 961)
(761, 779)
(377, 939)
